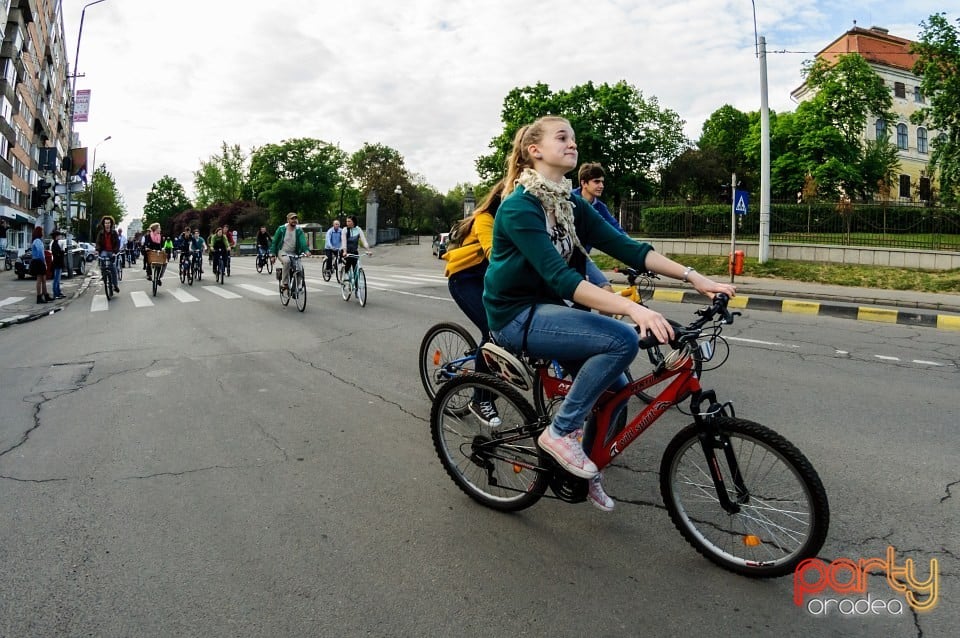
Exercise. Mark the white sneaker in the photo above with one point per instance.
(486, 413)
(597, 496)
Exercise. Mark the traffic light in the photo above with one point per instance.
(41, 193)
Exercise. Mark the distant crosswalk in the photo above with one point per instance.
(239, 286)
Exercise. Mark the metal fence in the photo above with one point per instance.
(891, 225)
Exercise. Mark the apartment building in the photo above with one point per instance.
(889, 56)
(34, 102)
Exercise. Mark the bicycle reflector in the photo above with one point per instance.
(752, 540)
(505, 365)
(437, 358)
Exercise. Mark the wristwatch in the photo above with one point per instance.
(686, 273)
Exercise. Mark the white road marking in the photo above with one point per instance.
(140, 298)
(886, 358)
(266, 292)
(762, 343)
(182, 295)
(10, 300)
(99, 303)
(927, 363)
(220, 292)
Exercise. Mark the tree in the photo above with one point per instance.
(222, 178)
(165, 200)
(938, 67)
(103, 198)
(725, 133)
(300, 175)
(376, 167)
(697, 175)
(631, 136)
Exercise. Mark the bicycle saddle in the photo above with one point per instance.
(504, 364)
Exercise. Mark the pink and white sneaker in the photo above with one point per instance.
(568, 452)
(597, 496)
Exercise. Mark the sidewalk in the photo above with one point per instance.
(936, 310)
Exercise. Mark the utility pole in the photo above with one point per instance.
(764, 156)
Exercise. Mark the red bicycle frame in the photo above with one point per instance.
(602, 451)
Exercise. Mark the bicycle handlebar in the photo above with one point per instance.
(682, 334)
(632, 274)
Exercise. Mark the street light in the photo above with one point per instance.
(398, 191)
(93, 176)
(73, 94)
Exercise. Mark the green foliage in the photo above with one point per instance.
(724, 133)
(300, 175)
(938, 67)
(697, 174)
(222, 178)
(165, 200)
(377, 167)
(631, 136)
(103, 197)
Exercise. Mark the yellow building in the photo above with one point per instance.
(889, 56)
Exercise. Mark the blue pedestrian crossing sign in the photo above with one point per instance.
(741, 202)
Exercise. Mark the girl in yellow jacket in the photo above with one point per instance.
(466, 266)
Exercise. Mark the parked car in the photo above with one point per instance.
(89, 250)
(440, 245)
(74, 262)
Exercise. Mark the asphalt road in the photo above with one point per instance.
(228, 467)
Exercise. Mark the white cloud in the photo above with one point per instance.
(173, 80)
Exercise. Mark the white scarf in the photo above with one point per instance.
(554, 197)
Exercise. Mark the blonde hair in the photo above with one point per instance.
(519, 157)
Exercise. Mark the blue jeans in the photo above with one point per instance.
(594, 348)
(56, 281)
(466, 288)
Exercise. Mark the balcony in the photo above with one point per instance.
(28, 9)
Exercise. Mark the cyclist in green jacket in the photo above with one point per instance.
(288, 240)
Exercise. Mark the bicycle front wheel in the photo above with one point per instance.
(345, 288)
(445, 350)
(107, 285)
(260, 264)
(501, 468)
(361, 287)
(338, 270)
(783, 511)
(298, 284)
(183, 274)
(156, 278)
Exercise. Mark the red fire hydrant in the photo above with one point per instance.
(736, 262)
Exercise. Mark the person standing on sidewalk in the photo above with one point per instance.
(58, 263)
(38, 265)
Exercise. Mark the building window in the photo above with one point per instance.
(922, 140)
(881, 129)
(899, 89)
(918, 95)
(925, 189)
(902, 142)
(905, 186)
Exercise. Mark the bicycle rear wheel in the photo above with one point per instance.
(361, 287)
(503, 468)
(783, 510)
(445, 350)
(300, 286)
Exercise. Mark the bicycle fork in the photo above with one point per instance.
(712, 439)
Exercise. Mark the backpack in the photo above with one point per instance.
(459, 232)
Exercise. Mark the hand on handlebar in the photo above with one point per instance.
(650, 321)
(710, 288)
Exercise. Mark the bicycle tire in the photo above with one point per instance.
(107, 284)
(327, 274)
(345, 290)
(338, 271)
(301, 289)
(269, 267)
(507, 476)
(259, 264)
(155, 278)
(443, 343)
(183, 275)
(284, 294)
(361, 287)
(763, 540)
(119, 274)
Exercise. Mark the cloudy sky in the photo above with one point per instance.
(172, 80)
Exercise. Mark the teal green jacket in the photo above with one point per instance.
(279, 236)
(526, 269)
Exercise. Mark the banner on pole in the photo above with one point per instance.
(81, 105)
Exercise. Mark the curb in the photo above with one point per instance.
(809, 307)
(46, 312)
